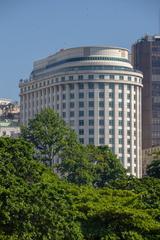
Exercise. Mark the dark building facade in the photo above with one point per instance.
(146, 58)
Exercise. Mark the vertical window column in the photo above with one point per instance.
(106, 114)
(67, 103)
(132, 129)
(76, 109)
(125, 132)
(116, 119)
(96, 115)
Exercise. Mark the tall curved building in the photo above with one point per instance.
(96, 91)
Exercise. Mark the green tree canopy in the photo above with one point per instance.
(153, 170)
(36, 204)
(92, 165)
(50, 135)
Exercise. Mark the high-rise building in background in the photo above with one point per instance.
(146, 58)
(96, 91)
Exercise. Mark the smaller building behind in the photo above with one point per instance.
(148, 155)
(9, 118)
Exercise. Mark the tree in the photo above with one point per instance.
(91, 165)
(32, 202)
(50, 136)
(36, 204)
(153, 170)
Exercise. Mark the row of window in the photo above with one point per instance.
(81, 77)
(102, 141)
(102, 122)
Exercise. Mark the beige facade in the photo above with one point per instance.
(97, 92)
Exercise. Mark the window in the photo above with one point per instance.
(129, 79)
(128, 141)
(128, 87)
(81, 104)
(120, 123)
(64, 96)
(120, 104)
(101, 85)
(62, 78)
(90, 85)
(81, 95)
(91, 122)
(101, 76)
(101, 131)
(71, 95)
(64, 105)
(57, 97)
(120, 141)
(120, 86)
(120, 150)
(120, 132)
(71, 122)
(91, 131)
(120, 95)
(70, 78)
(111, 86)
(111, 141)
(81, 86)
(111, 122)
(91, 140)
(128, 124)
(101, 104)
(91, 94)
(111, 94)
(81, 122)
(111, 76)
(91, 104)
(81, 131)
(57, 106)
(128, 132)
(128, 114)
(71, 86)
(81, 140)
(72, 114)
(128, 105)
(91, 113)
(111, 113)
(101, 94)
(80, 77)
(71, 104)
(101, 113)
(120, 114)
(64, 114)
(101, 122)
(121, 77)
(128, 96)
(111, 104)
(81, 113)
(111, 131)
(101, 140)
(90, 76)
(63, 87)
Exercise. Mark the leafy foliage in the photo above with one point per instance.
(153, 170)
(50, 135)
(36, 204)
(52, 139)
(91, 165)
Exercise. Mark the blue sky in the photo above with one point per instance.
(33, 29)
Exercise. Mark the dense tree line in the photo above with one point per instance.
(94, 199)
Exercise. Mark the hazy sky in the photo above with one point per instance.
(33, 29)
